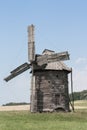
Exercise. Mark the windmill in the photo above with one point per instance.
(39, 64)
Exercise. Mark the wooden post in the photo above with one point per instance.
(72, 90)
(32, 109)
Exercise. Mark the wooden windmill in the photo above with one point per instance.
(47, 92)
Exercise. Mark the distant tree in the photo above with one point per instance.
(79, 95)
(14, 104)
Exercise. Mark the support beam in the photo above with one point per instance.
(72, 91)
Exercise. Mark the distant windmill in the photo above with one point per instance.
(49, 83)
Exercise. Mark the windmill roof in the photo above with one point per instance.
(59, 65)
(46, 51)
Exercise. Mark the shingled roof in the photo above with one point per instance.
(59, 65)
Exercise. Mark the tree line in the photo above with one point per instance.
(14, 104)
(79, 95)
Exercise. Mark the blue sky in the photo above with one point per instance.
(60, 25)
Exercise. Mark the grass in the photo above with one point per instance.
(24, 120)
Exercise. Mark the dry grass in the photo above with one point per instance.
(15, 108)
(81, 104)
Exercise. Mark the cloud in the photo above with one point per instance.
(81, 60)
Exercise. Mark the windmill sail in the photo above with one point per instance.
(58, 57)
(44, 59)
(31, 44)
(17, 71)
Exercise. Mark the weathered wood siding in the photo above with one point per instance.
(51, 91)
(31, 43)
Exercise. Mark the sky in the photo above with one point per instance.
(60, 25)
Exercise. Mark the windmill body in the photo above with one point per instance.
(49, 80)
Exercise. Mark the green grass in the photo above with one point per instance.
(24, 120)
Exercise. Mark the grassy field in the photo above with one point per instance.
(24, 120)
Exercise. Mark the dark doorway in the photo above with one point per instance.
(57, 99)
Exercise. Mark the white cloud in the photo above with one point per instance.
(81, 60)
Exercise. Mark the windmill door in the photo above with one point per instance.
(57, 99)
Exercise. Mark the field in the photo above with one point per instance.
(15, 108)
(24, 120)
(81, 104)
